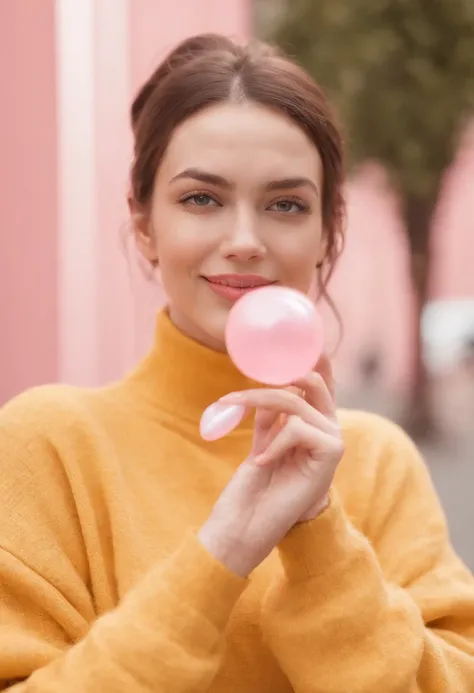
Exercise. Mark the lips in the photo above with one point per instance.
(233, 286)
(239, 281)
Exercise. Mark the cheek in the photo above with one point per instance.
(297, 255)
(298, 247)
(178, 262)
(182, 243)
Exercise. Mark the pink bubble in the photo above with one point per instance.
(274, 335)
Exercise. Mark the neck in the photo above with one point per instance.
(193, 331)
(183, 376)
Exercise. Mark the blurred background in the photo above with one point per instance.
(76, 306)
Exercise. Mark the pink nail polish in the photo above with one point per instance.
(220, 419)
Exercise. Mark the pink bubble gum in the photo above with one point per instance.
(274, 335)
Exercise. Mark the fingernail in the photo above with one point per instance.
(218, 420)
(260, 460)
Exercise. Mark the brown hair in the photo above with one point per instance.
(209, 69)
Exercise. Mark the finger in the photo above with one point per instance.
(266, 423)
(283, 401)
(265, 419)
(297, 433)
(317, 394)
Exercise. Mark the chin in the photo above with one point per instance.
(213, 327)
(200, 317)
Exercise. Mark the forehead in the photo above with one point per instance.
(242, 140)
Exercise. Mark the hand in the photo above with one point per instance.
(287, 476)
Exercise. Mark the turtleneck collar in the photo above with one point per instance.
(183, 376)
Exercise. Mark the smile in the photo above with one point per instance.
(232, 287)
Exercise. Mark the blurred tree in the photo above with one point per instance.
(401, 74)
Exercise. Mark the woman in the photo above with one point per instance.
(305, 552)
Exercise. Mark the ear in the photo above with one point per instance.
(143, 232)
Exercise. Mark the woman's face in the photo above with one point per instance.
(236, 203)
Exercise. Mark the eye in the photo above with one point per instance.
(288, 206)
(198, 199)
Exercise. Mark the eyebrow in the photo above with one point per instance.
(219, 181)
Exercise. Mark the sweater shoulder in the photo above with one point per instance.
(55, 396)
(41, 478)
(361, 428)
(45, 408)
(377, 445)
(379, 464)
(47, 438)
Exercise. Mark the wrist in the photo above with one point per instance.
(315, 510)
(226, 549)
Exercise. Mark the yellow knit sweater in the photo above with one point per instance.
(104, 587)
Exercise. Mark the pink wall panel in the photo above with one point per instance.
(28, 196)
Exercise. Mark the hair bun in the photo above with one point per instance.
(186, 51)
(201, 44)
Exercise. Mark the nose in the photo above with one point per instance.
(242, 241)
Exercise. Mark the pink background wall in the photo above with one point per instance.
(75, 305)
(28, 196)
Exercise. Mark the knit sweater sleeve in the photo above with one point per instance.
(166, 635)
(389, 610)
